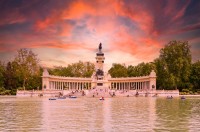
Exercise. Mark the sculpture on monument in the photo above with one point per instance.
(99, 72)
(100, 47)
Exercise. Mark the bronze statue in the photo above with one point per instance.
(100, 47)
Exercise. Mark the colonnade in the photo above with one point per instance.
(63, 85)
(60, 85)
(144, 85)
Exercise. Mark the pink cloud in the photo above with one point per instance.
(133, 27)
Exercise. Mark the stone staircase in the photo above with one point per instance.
(99, 91)
(75, 93)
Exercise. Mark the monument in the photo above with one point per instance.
(99, 81)
(99, 84)
(98, 76)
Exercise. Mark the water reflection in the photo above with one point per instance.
(19, 114)
(91, 114)
(133, 114)
(172, 115)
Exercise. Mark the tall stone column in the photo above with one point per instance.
(152, 80)
(45, 80)
(62, 85)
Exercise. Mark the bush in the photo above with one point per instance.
(185, 90)
(13, 92)
(20, 88)
(7, 92)
(198, 91)
(183, 93)
(191, 92)
(2, 91)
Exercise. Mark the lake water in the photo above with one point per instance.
(90, 114)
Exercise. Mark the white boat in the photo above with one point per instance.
(72, 97)
(52, 98)
(102, 98)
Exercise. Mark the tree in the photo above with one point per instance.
(174, 65)
(118, 70)
(2, 71)
(60, 71)
(79, 69)
(35, 81)
(195, 75)
(89, 68)
(10, 76)
(142, 69)
(26, 65)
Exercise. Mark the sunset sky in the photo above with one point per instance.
(61, 32)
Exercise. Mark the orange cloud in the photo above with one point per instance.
(129, 26)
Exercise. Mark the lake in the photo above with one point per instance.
(90, 114)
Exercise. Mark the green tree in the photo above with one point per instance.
(2, 71)
(35, 81)
(174, 65)
(89, 68)
(11, 77)
(79, 69)
(26, 63)
(142, 69)
(118, 70)
(59, 71)
(195, 75)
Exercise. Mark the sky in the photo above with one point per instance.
(62, 32)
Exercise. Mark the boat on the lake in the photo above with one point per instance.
(169, 97)
(52, 98)
(72, 96)
(183, 97)
(102, 98)
(62, 97)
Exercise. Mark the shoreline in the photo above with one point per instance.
(98, 97)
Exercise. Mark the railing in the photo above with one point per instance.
(38, 92)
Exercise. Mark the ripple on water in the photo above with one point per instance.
(90, 114)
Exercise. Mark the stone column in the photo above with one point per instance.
(140, 85)
(137, 85)
(49, 84)
(152, 80)
(53, 85)
(58, 85)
